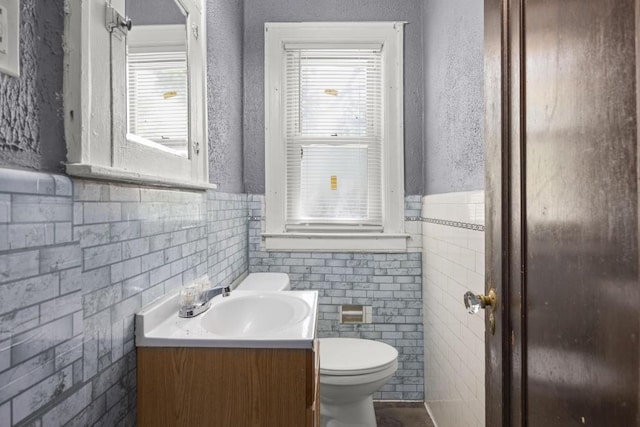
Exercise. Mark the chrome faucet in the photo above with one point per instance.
(204, 302)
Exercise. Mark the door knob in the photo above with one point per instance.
(475, 302)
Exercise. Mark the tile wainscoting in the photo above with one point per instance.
(453, 263)
(77, 260)
(41, 311)
(389, 282)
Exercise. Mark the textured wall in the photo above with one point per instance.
(453, 119)
(149, 12)
(31, 110)
(31, 121)
(453, 263)
(257, 12)
(224, 28)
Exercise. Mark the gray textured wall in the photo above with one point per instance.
(451, 158)
(224, 28)
(454, 115)
(159, 12)
(257, 12)
(31, 117)
(31, 110)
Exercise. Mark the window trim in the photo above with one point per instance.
(390, 35)
(96, 118)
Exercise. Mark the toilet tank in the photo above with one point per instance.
(265, 282)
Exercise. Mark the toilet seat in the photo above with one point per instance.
(352, 357)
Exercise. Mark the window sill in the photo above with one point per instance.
(84, 170)
(335, 242)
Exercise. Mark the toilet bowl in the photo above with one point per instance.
(265, 282)
(351, 370)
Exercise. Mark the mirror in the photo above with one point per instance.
(105, 136)
(157, 76)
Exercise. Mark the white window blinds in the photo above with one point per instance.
(333, 137)
(158, 98)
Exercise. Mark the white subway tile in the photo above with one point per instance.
(453, 263)
(475, 241)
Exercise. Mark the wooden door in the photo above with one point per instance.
(562, 212)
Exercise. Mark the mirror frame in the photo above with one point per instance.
(96, 116)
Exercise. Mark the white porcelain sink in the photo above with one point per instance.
(254, 315)
(250, 319)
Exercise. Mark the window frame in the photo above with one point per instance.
(392, 237)
(96, 115)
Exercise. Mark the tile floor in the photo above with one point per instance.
(402, 414)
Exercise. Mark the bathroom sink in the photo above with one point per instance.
(254, 315)
(248, 319)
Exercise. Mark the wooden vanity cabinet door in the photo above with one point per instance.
(222, 387)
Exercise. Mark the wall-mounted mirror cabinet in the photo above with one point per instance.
(135, 91)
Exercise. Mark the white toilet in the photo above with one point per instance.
(351, 369)
(265, 282)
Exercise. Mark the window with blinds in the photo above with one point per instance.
(333, 136)
(158, 104)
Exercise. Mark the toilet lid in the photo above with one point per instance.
(351, 356)
(265, 282)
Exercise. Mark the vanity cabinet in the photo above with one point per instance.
(189, 386)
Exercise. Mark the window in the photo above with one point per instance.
(135, 98)
(157, 87)
(334, 139)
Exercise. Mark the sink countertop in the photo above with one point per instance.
(158, 325)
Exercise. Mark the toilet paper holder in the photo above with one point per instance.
(355, 313)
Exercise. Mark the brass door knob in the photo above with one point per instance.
(474, 302)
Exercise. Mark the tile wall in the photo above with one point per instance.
(389, 282)
(227, 222)
(41, 311)
(77, 260)
(453, 263)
